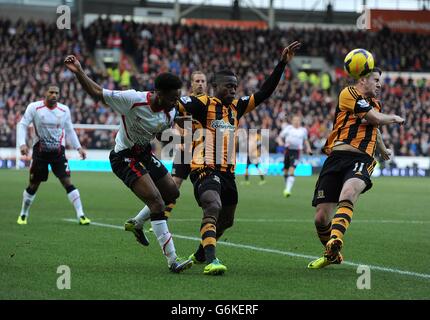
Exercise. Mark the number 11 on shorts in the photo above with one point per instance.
(358, 166)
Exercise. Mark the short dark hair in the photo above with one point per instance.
(376, 69)
(223, 73)
(52, 85)
(167, 81)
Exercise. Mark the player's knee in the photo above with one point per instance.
(156, 204)
(178, 182)
(172, 195)
(211, 207)
(349, 193)
(322, 217)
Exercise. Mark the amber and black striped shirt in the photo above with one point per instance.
(348, 126)
(222, 120)
(215, 146)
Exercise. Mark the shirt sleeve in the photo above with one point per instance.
(247, 104)
(270, 84)
(196, 106)
(70, 132)
(244, 105)
(350, 100)
(283, 133)
(121, 101)
(26, 120)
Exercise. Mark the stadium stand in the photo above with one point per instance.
(33, 57)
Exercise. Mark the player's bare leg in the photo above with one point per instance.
(145, 214)
(178, 181)
(148, 192)
(351, 190)
(323, 217)
(210, 202)
(169, 192)
(75, 200)
(224, 221)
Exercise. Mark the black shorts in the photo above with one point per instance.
(291, 158)
(129, 167)
(208, 179)
(339, 167)
(180, 169)
(41, 160)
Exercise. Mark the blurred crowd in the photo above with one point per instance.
(33, 53)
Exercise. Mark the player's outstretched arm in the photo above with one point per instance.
(272, 82)
(91, 87)
(377, 118)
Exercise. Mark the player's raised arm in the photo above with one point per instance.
(91, 87)
(272, 82)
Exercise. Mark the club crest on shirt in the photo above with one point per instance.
(363, 103)
(185, 99)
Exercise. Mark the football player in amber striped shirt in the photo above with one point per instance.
(346, 172)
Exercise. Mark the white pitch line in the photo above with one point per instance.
(284, 253)
(295, 220)
(311, 221)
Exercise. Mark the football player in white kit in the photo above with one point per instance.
(143, 116)
(52, 123)
(293, 137)
(180, 169)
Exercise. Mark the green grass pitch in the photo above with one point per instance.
(266, 251)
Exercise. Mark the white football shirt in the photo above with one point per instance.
(51, 126)
(139, 124)
(294, 137)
